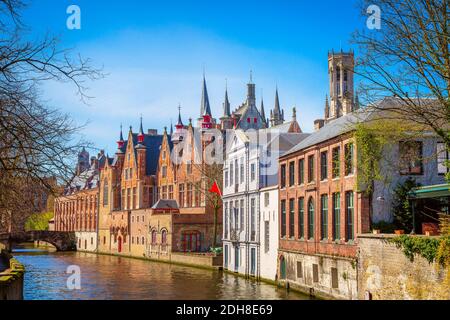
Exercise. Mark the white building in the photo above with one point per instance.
(250, 198)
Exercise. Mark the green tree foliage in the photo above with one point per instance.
(401, 209)
(38, 221)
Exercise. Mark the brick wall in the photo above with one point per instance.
(388, 274)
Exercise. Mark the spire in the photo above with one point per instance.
(327, 108)
(263, 113)
(251, 96)
(294, 114)
(141, 135)
(179, 124)
(356, 106)
(277, 109)
(171, 127)
(205, 109)
(226, 105)
(121, 142)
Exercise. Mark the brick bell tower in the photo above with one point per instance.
(340, 71)
(141, 151)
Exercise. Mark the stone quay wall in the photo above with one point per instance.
(385, 273)
(11, 279)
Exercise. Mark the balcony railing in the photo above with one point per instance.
(234, 235)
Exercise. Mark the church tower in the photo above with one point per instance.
(276, 115)
(226, 122)
(340, 71)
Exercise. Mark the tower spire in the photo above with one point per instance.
(226, 105)
(121, 142)
(141, 135)
(205, 108)
(179, 124)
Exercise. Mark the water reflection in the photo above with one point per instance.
(108, 277)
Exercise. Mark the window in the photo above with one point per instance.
(236, 172)
(248, 120)
(164, 192)
(301, 171)
(164, 155)
(105, 192)
(323, 166)
(315, 272)
(266, 236)
(299, 270)
(442, 157)
(132, 219)
(336, 216)
(164, 237)
(255, 120)
(252, 172)
(336, 166)
(231, 174)
(134, 198)
(301, 218)
(225, 227)
(311, 218)
(334, 278)
(349, 215)
(252, 220)
(189, 195)
(171, 192)
(242, 170)
(241, 218)
(181, 195)
(411, 157)
(283, 176)
(137, 240)
(266, 199)
(123, 199)
(324, 217)
(226, 178)
(349, 159)
(291, 218)
(188, 167)
(291, 173)
(283, 218)
(310, 169)
(128, 198)
(164, 171)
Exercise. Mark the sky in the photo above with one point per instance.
(154, 54)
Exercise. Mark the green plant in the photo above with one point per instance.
(217, 250)
(38, 221)
(424, 246)
(401, 209)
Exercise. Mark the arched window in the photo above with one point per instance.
(311, 218)
(105, 192)
(164, 237)
(154, 237)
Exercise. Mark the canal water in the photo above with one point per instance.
(117, 278)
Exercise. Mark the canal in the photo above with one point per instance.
(117, 278)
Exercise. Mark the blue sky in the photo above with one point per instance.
(154, 53)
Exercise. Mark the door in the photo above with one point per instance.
(282, 268)
(252, 261)
(119, 244)
(225, 253)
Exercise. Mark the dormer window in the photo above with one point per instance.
(248, 120)
(255, 120)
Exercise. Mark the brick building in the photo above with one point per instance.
(77, 208)
(322, 209)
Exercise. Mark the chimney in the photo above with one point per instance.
(318, 124)
(152, 132)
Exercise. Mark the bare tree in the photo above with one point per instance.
(210, 173)
(408, 58)
(36, 141)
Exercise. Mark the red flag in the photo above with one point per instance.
(215, 189)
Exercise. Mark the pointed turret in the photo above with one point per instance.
(263, 113)
(120, 142)
(356, 103)
(141, 135)
(179, 124)
(251, 96)
(226, 122)
(226, 105)
(205, 108)
(171, 128)
(277, 116)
